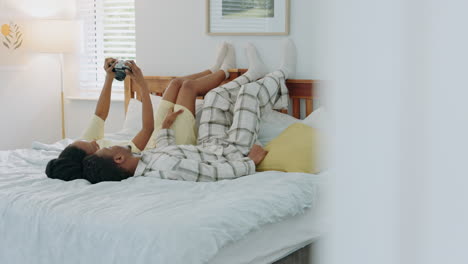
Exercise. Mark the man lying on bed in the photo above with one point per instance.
(227, 132)
(68, 166)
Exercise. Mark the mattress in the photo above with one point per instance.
(272, 242)
(141, 219)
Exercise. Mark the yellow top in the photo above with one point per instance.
(184, 128)
(95, 131)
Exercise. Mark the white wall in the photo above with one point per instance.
(30, 102)
(29, 82)
(171, 39)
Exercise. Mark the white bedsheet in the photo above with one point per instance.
(139, 220)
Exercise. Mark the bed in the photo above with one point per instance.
(301, 91)
(262, 218)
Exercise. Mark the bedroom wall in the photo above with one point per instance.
(30, 103)
(171, 38)
(29, 82)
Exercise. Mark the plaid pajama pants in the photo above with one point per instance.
(231, 113)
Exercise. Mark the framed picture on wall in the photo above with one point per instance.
(247, 17)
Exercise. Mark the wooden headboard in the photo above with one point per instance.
(298, 89)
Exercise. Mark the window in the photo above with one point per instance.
(109, 31)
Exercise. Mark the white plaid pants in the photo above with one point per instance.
(231, 113)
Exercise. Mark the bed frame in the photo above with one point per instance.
(299, 91)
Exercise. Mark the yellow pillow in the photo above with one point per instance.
(294, 150)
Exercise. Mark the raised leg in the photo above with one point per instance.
(252, 101)
(260, 96)
(172, 90)
(190, 89)
(217, 112)
(218, 108)
(196, 75)
(206, 83)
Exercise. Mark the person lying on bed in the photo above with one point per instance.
(68, 166)
(227, 133)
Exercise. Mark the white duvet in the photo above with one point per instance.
(139, 220)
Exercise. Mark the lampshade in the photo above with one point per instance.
(54, 36)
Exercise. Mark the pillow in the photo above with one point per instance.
(272, 124)
(132, 123)
(155, 100)
(198, 108)
(316, 119)
(294, 150)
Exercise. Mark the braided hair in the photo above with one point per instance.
(68, 165)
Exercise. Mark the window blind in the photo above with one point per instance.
(109, 31)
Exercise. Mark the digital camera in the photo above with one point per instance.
(119, 70)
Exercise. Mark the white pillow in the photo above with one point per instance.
(272, 124)
(316, 119)
(155, 100)
(198, 108)
(132, 123)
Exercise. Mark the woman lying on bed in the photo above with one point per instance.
(226, 136)
(68, 166)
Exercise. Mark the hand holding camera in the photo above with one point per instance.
(119, 69)
(135, 72)
(116, 68)
(109, 65)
